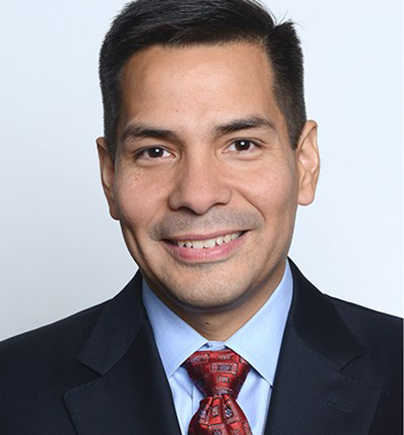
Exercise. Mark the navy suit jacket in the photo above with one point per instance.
(99, 372)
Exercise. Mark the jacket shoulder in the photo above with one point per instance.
(370, 325)
(62, 338)
(381, 337)
(36, 368)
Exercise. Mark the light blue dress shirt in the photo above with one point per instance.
(258, 342)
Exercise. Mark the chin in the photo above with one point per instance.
(205, 296)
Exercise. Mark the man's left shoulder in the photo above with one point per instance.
(378, 333)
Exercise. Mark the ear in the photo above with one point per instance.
(107, 167)
(308, 161)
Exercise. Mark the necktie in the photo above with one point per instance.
(219, 375)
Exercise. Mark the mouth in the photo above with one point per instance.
(207, 243)
(199, 249)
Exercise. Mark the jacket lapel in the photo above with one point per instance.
(132, 395)
(311, 393)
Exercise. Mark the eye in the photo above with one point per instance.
(153, 153)
(242, 145)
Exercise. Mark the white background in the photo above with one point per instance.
(61, 252)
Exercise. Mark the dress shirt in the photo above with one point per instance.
(258, 342)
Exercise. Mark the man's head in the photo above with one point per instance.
(204, 180)
(178, 23)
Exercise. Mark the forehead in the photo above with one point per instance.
(198, 81)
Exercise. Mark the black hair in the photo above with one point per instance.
(145, 23)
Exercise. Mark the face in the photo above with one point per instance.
(205, 183)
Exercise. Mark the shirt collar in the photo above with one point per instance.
(175, 339)
(258, 341)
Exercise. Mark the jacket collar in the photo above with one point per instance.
(318, 324)
(132, 395)
(116, 329)
(311, 393)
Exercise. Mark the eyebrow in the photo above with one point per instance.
(244, 124)
(141, 131)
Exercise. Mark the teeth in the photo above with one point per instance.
(197, 244)
(209, 243)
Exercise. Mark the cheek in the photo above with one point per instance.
(273, 191)
(139, 201)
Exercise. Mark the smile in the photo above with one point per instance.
(208, 243)
(203, 249)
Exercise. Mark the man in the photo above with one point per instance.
(207, 153)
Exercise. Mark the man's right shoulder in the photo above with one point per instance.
(63, 339)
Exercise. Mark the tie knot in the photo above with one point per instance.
(219, 372)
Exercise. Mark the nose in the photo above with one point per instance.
(199, 186)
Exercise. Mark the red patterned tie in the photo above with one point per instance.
(219, 375)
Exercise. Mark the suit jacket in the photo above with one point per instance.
(99, 372)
